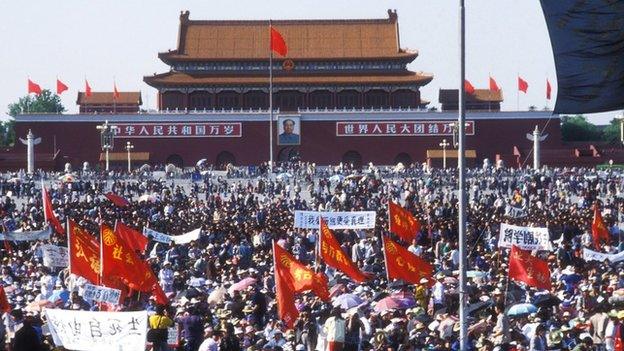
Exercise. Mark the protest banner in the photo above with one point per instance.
(101, 294)
(335, 220)
(27, 236)
(526, 238)
(591, 255)
(54, 256)
(98, 331)
(178, 239)
(515, 212)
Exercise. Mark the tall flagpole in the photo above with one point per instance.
(270, 100)
(463, 332)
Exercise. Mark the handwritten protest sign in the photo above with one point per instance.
(98, 331)
(336, 220)
(101, 294)
(591, 255)
(178, 239)
(54, 256)
(526, 238)
(27, 236)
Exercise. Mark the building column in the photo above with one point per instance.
(185, 100)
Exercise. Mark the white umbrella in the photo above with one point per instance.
(336, 178)
(170, 168)
(147, 198)
(283, 176)
(217, 296)
(145, 168)
(201, 162)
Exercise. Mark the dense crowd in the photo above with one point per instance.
(241, 217)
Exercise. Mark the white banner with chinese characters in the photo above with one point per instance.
(399, 128)
(526, 238)
(180, 130)
(515, 212)
(178, 239)
(54, 256)
(590, 255)
(98, 331)
(27, 236)
(336, 220)
(101, 294)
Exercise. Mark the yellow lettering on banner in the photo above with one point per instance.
(410, 267)
(324, 247)
(339, 257)
(129, 258)
(94, 263)
(400, 261)
(397, 220)
(285, 261)
(80, 250)
(117, 252)
(109, 237)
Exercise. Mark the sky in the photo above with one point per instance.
(106, 41)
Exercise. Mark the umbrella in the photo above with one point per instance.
(346, 301)
(242, 285)
(217, 296)
(546, 300)
(147, 198)
(475, 274)
(201, 162)
(450, 280)
(67, 178)
(283, 176)
(145, 167)
(336, 178)
(62, 295)
(521, 309)
(170, 168)
(391, 303)
(336, 290)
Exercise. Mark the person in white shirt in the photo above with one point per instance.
(437, 293)
(211, 341)
(415, 248)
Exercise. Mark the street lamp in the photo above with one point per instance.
(620, 117)
(444, 144)
(107, 136)
(129, 147)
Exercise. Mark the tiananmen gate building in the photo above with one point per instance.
(343, 93)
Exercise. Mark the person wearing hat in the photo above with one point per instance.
(159, 322)
(353, 330)
(211, 340)
(229, 341)
(613, 332)
(191, 327)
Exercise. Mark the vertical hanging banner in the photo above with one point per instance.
(98, 331)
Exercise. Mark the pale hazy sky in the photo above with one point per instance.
(105, 40)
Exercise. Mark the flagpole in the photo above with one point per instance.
(68, 244)
(101, 255)
(518, 93)
(317, 247)
(270, 101)
(383, 247)
(463, 331)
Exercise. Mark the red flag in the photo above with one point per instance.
(404, 265)
(87, 89)
(278, 44)
(117, 200)
(84, 254)
(134, 239)
(526, 268)
(599, 229)
(523, 86)
(468, 87)
(115, 92)
(332, 254)
(119, 260)
(402, 223)
(493, 86)
(548, 89)
(302, 277)
(48, 213)
(60, 87)
(33, 87)
(284, 291)
(4, 302)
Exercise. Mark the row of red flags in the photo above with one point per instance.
(34, 88)
(523, 86)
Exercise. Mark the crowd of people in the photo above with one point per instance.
(240, 218)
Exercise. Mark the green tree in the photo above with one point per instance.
(7, 133)
(612, 132)
(46, 102)
(577, 128)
